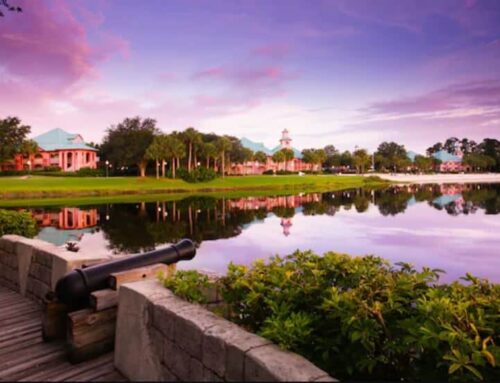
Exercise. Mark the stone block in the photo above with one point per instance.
(237, 346)
(195, 370)
(189, 327)
(42, 273)
(165, 311)
(210, 376)
(167, 375)
(214, 347)
(158, 342)
(43, 257)
(270, 363)
(180, 362)
(324, 378)
(135, 355)
(6, 245)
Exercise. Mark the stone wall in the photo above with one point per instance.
(180, 341)
(32, 267)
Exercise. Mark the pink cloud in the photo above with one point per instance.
(48, 45)
(214, 72)
(478, 94)
(272, 50)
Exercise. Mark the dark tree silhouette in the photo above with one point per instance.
(5, 5)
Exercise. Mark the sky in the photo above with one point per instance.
(346, 72)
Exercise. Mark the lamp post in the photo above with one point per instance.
(29, 165)
(107, 164)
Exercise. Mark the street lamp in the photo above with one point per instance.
(107, 164)
(29, 165)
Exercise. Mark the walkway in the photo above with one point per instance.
(25, 357)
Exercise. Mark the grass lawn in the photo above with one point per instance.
(66, 187)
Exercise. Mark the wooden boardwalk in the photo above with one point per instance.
(25, 357)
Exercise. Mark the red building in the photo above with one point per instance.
(57, 148)
(255, 167)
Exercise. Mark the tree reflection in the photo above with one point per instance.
(141, 226)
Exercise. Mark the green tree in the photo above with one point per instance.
(224, 146)
(209, 151)
(491, 148)
(192, 138)
(260, 157)
(391, 156)
(278, 157)
(288, 155)
(424, 164)
(479, 161)
(12, 137)
(126, 143)
(361, 160)
(175, 150)
(156, 151)
(29, 148)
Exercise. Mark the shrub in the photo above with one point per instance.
(285, 172)
(268, 172)
(15, 222)
(199, 174)
(360, 318)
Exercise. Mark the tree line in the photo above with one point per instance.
(135, 142)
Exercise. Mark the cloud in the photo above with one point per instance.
(459, 100)
(48, 45)
(276, 51)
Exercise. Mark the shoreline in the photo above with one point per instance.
(92, 188)
(440, 178)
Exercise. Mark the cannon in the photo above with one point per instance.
(75, 287)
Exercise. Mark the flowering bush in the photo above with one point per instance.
(14, 222)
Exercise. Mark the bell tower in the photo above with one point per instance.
(285, 141)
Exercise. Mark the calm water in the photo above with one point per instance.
(452, 227)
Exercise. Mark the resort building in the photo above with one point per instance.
(57, 148)
(449, 162)
(255, 167)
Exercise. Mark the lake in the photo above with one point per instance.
(451, 227)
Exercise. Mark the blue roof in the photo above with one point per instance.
(446, 199)
(255, 146)
(57, 139)
(411, 155)
(259, 146)
(444, 156)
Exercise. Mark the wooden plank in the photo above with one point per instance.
(148, 272)
(90, 333)
(94, 373)
(90, 351)
(20, 344)
(54, 320)
(103, 299)
(8, 332)
(63, 370)
(114, 376)
(36, 362)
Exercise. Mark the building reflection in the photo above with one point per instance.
(142, 226)
(62, 225)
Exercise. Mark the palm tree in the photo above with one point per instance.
(260, 157)
(288, 155)
(29, 148)
(175, 150)
(209, 151)
(224, 146)
(278, 157)
(155, 152)
(192, 137)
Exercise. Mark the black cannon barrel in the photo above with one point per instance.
(76, 286)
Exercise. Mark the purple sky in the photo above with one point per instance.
(343, 72)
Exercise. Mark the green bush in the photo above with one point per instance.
(20, 223)
(269, 172)
(199, 174)
(360, 318)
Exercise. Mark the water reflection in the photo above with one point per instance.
(136, 227)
